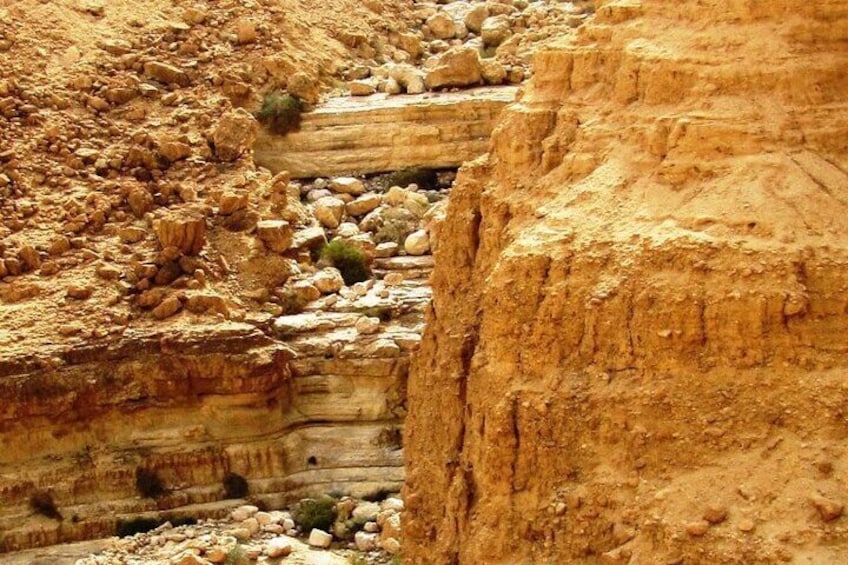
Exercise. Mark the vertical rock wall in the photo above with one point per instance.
(637, 345)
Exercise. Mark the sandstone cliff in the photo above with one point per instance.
(637, 346)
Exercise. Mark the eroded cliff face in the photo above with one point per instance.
(637, 346)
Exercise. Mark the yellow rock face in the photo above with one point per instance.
(639, 300)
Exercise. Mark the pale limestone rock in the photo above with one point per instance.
(386, 249)
(347, 185)
(366, 511)
(365, 541)
(329, 211)
(328, 280)
(392, 503)
(493, 71)
(165, 73)
(393, 279)
(367, 325)
(278, 547)
(309, 238)
(459, 66)
(417, 243)
(475, 17)
(306, 291)
(441, 25)
(495, 30)
(320, 538)
(348, 229)
(277, 235)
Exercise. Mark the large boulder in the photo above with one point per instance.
(459, 66)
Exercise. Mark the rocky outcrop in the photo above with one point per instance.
(317, 407)
(637, 346)
(369, 135)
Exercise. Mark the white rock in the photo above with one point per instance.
(365, 541)
(347, 185)
(329, 211)
(417, 243)
(319, 538)
(387, 249)
(366, 511)
(392, 503)
(348, 229)
(367, 325)
(278, 547)
(328, 280)
(364, 204)
(371, 527)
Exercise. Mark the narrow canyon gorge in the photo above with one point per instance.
(423, 282)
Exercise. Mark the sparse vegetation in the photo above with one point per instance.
(141, 525)
(236, 556)
(280, 112)
(349, 260)
(42, 502)
(235, 485)
(148, 483)
(316, 513)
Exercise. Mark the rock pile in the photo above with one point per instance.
(465, 43)
(371, 531)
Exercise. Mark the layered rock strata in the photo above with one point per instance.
(315, 408)
(378, 134)
(637, 346)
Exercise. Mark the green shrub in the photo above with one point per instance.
(349, 260)
(235, 485)
(280, 112)
(141, 525)
(316, 513)
(148, 483)
(42, 502)
(236, 556)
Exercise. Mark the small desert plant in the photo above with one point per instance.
(316, 513)
(236, 556)
(280, 112)
(141, 525)
(349, 260)
(148, 483)
(235, 485)
(42, 502)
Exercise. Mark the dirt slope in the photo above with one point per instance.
(108, 114)
(636, 351)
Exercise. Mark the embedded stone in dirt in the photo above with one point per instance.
(183, 229)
